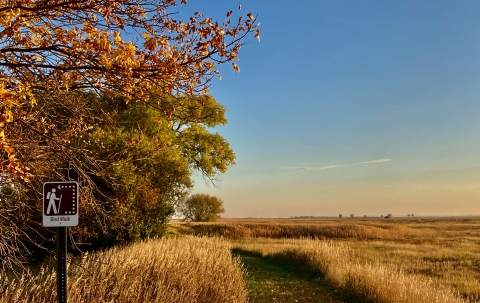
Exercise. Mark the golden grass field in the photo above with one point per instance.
(186, 270)
(374, 260)
(378, 260)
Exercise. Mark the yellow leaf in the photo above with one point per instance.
(8, 149)
(8, 116)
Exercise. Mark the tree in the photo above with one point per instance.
(201, 208)
(69, 80)
(133, 165)
(151, 154)
(340, 215)
(352, 216)
(57, 47)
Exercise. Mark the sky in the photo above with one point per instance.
(352, 107)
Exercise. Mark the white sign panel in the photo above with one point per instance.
(60, 204)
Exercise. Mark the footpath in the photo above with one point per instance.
(272, 280)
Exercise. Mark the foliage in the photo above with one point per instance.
(133, 166)
(201, 208)
(57, 47)
(71, 89)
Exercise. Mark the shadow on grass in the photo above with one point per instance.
(273, 279)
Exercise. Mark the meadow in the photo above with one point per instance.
(361, 260)
(374, 260)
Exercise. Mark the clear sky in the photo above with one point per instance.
(363, 107)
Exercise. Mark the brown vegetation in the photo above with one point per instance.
(176, 270)
(399, 260)
(370, 282)
(324, 230)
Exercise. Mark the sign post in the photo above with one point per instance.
(60, 215)
(62, 264)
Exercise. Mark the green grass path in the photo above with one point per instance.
(271, 280)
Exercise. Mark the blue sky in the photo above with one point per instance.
(364, 107)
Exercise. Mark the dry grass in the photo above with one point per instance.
(370, 282)
(436, 256)
(455, 266)
(325, 230)
(174, 270)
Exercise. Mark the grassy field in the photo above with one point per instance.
(374, 260)
(288, 260)
(185, 270)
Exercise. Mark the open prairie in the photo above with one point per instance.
(284, 260)
(374, 260)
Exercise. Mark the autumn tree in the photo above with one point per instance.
(201, 208)
(63, 63)
(135, 166)
(119, 47)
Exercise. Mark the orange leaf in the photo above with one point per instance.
(8, 149)
(257, 35)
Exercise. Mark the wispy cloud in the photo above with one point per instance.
(374, 161)
(336, 165)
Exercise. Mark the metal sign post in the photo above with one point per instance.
(60, 215)
(62, 264)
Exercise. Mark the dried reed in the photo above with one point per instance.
(311, 231)
(185, 270)
(371, 282)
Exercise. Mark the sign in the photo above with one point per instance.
(60, 204)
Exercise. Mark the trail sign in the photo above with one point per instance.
(60, 204)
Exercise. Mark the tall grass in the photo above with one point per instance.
(369, 282)
(456, 266)
(185, 270)
(243, 230)
(444, 253)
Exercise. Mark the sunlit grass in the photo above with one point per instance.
(325, 230)
(182, 270)
(434, 256)
(368, 281)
